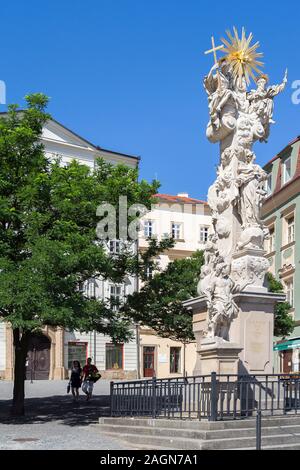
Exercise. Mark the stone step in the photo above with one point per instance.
(183, 443)
(198, 434)
(267, 421)
(146, 447)
(156, 442)
(276, 447)
(250, 442)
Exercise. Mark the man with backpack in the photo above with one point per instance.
(90, 376)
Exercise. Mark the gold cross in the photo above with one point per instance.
(214, 49)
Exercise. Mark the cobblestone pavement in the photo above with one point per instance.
(52, 420)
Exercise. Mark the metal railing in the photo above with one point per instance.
(213, 397)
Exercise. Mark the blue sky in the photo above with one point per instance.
(127, 74)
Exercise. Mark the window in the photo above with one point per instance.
(290, 229)
(149, 272)
(269, 184)
(77, 351)
(148, 361)
(148, 228)
(115, 297)
(289, 289)
(90, 288)
(114, 356)
(114, 246)
(271, 240)
(287, 170)
(176, 231)
(175, 360)
(203, 234)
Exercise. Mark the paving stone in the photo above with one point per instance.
(53, 421)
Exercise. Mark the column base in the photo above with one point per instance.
(251, 333)
(220, 356)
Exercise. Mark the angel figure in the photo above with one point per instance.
(261, 100)
(218, 88)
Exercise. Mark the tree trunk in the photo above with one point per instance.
(20, 346)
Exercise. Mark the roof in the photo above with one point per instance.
(278, 185)
(97, 147)
(296, 139)
(179, 199)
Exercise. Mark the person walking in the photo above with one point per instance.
(75, 379)
(90, 375)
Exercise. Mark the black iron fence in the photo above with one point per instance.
(214, 397)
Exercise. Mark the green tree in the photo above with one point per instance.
(48, 245)
(283, 322)
(159, 303)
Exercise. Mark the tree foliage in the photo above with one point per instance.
(283, 322)
(48, 245)
(159, 303)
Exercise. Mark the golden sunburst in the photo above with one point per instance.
(241, 55)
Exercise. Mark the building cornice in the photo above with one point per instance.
(270, 221)
(286, 271)
(288, 210)
(287, 245)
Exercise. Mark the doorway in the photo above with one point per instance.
(287, 365)
(38, 358)
(148, 361)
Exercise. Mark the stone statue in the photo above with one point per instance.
(261, 100)
(219, 92)
(237, 119)
(220, 302)
(250, 179)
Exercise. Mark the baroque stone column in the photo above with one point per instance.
(233, 293)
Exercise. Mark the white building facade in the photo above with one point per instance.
(188, 221)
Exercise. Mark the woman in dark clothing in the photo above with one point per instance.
(75, 380)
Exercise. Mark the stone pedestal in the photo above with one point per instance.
(219, 356)
(250, 336)
(250, 265)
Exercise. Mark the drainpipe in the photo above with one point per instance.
(184, 347)
(95, 340)
(90, 345)
(137, 328)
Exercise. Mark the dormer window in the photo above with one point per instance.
(269, 184)
(287, 170)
